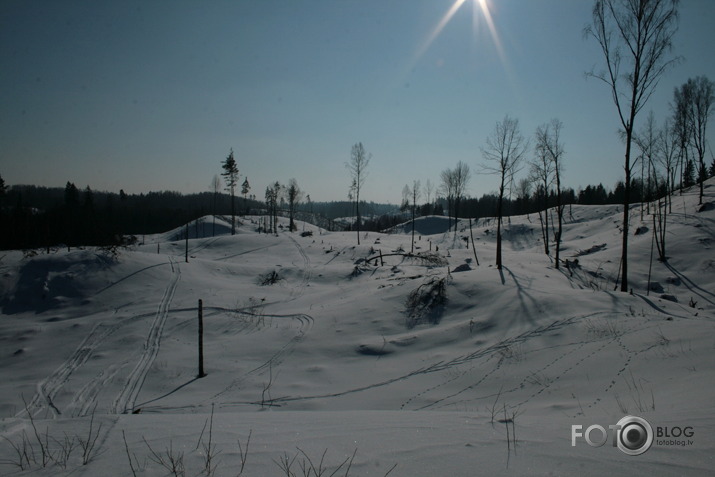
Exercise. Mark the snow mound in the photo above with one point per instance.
(427, 225)
(328, 358)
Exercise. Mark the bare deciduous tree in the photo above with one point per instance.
(700, 112)
(294, 195)
(454, 187)
(415, 192)
(429, 188)
(270, 201)
(405, 204)
(524, 188)
(646, 140)
(273, 197)
(216, 188)
(548, 139)
(462, 174)
(505, 149)
(542, 173)
(447, 189)
(682, 126)
(278, 190)
(359, 160)
(635, 37)
(666, 148)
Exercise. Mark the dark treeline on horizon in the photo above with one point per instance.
(486, 205)
(37, 217)
(345, 208)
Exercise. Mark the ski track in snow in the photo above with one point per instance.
(305, 323)
(307, 272)
(246, 252)
(203, 245)
(48, 388)
(128, 396)
(84, 402)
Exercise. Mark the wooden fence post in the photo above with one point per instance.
(201, 339)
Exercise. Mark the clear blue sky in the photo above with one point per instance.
(151, 95)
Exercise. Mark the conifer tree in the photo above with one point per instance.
(230, 175)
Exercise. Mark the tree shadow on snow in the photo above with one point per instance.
(692, 286)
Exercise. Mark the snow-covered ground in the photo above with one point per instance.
(414, 366)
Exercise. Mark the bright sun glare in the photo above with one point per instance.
(480, 10)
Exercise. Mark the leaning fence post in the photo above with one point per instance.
(201, 339)
(473, 247)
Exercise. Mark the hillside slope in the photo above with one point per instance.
(309, 344)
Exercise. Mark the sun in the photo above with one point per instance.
(486, 14)
(481, 11)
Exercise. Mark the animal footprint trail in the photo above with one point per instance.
(128, 396)
(559, 365)
(474, 385)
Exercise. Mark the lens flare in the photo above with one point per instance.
(481, 12)
(438, 29)
(487, 15)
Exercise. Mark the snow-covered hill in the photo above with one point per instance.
(431, 363)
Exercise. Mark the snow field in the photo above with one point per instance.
(308, 346)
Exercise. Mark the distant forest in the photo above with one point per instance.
(37, 217)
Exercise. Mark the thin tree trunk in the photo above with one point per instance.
(544, 237)
(642, 184)
(546, 217)
(187, 242)
(456, 214)
(702, 174)
(357, 211)
(213, 234)
(233, 214)
(650, 265)
(626, 210)
(662, 236)
(499, 213)
(412, 250)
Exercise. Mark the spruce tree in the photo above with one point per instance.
(245, 189)
(230, 175)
